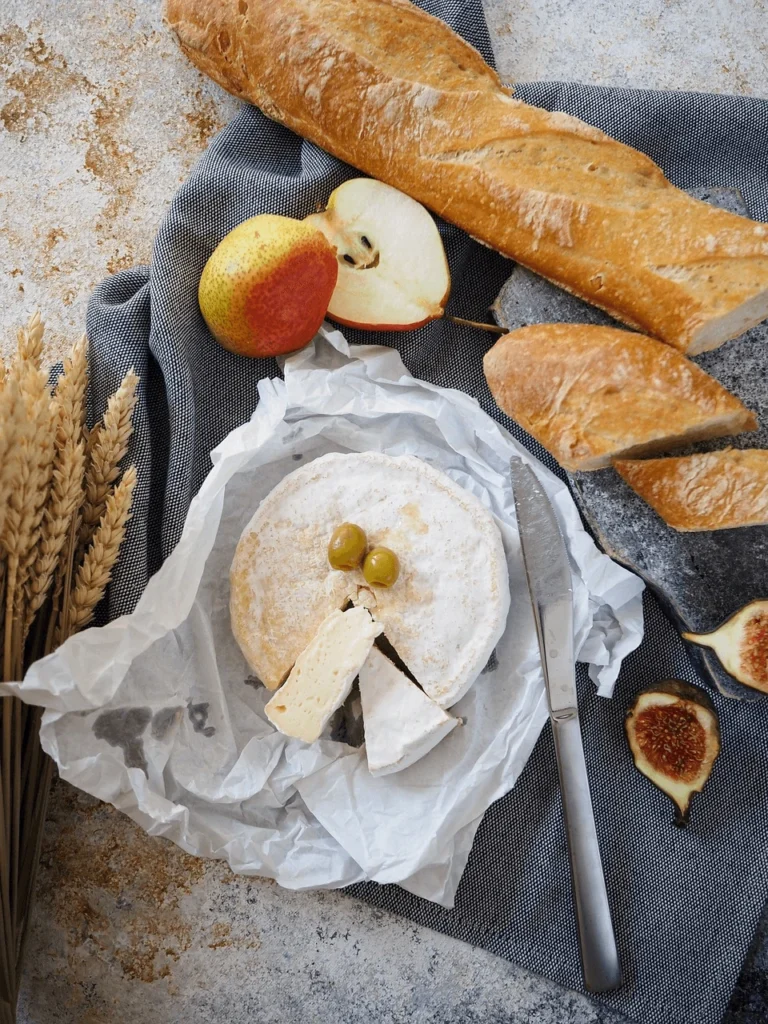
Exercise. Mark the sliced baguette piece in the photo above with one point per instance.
(590, 394)
(393, 91)
(710, 491)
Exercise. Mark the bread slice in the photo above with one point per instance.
(711, 491)
(590, 394)
(393, 91)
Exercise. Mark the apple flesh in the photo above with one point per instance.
(266, 287)
(393, 274)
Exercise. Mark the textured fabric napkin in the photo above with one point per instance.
(685, 902)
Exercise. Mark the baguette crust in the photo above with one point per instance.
(711, 491)
(589, 394)
(394, 92)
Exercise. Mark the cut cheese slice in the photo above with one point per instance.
(401, 722)
(322, 677)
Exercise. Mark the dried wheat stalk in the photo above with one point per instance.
(42, 453)
(67, 486)
(69, 398)
(9, 415)
(66, 496)
(107, 447)
(45, 456)
(30, 467)
(93, 575)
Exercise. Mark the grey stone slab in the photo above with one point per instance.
(701, 578)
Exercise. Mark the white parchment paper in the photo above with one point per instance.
(157, 713)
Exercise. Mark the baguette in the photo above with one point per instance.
(393, 91)
(711, 491)
(590, 394)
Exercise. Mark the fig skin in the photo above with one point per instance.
(679, 791)
(730, 652)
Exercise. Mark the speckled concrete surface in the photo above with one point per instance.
(100, 119)
(698, 45)
(222, 949)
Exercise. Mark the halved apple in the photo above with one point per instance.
(393, 274)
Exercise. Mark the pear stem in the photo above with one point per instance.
(474, 323)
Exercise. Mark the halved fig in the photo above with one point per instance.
(674, 736)
(741, 644)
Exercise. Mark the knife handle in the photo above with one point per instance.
(597, 942)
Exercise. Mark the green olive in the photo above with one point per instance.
(346, 547)
(381, 567)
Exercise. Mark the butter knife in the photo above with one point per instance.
(549, 584)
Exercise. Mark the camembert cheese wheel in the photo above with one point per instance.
(448, 608)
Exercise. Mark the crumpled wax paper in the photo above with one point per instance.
(158, 713)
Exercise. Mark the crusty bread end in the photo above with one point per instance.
(591, 394)
(708, 491)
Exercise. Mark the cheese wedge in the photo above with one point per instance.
(322, 677)
(401, 722)
(448, 608)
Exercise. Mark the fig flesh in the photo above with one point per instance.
(674, 736)
(741, 645)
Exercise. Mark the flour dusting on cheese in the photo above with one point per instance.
(443, 616)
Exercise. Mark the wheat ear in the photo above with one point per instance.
(30, 466)
(69, 397)
(10, 411)
(107, 446)
(41, 455)
(93, 575)
(67, 485)
(66, 495)
(30, 341)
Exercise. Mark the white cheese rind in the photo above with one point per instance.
(322, 677)
(401, 722)
(449, 606)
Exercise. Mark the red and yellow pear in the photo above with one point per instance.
(266, 287)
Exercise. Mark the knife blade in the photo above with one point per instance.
(549, 583)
